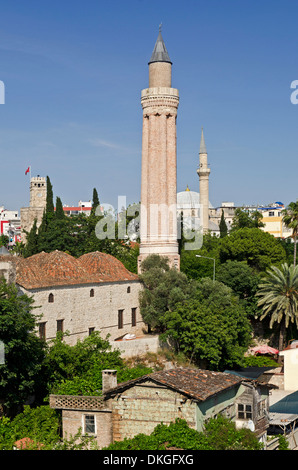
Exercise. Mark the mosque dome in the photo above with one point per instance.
(189, 199)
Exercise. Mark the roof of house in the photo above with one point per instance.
(61, 269)
(198, 384)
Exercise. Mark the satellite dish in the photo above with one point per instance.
(251, 425)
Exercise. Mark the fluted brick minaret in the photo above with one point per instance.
(158, 228)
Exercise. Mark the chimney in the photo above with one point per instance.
(109, 379)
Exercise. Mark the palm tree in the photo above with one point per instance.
(278, 293)
(290, 219)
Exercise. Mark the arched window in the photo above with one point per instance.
(51, 298)
(91, 292)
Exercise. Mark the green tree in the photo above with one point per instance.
(59, 213)
(40, 424)
(199, 268)
(246, 219)
(258, 248)
(164, 288)
(4, 240)
(95, 201)
(278, 298)
(77, 370)
(290, 219)
(31, 247)
(243, 280)
(211, 329)
(49, 200)
(223, 229)
(24, 351)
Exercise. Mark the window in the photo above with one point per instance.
(42, 330)
(271, 213)
(91, 330)
(60, 325)
(51, 298)
(120, 319)
(133, 317)
(244, 411)
(91, 292)
(89, 424)
(128, 290)
(262, 408)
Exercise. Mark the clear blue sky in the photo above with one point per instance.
(73, 74)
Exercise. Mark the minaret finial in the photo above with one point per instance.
(160, 53)
(202, 145)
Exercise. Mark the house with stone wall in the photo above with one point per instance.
(78, 295)
(138, 406)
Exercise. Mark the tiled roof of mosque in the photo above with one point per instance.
(60, 269)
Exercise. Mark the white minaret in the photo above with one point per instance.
(204, 172)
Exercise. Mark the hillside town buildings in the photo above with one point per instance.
(10, 225)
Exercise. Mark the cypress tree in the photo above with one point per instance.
(95, 201)
(49, 202)
(31, 247)
(59, 214)
(223, 226)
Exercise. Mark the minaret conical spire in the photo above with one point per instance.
(203, 145)
(160, 53)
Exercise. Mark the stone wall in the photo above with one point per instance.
(138, 346)
(141, 408)
(81, 312)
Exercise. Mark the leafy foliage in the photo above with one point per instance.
(246, 219)
(211, 329)
(42, 427)
(259, 361)
(164, 288)
(220, 434)
(290, 219)
(278, 293)
(77, 370)
(259, 249)
(24, 351)
(243, 280)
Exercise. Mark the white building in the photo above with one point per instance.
(10, 225)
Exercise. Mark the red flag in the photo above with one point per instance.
(27, 171)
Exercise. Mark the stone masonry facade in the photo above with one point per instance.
(74, 310)
(141, 408)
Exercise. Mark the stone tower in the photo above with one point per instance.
(38, 200)
(204, 172)
(158, 215)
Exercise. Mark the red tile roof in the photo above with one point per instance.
(58, 268)
(198, 384)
